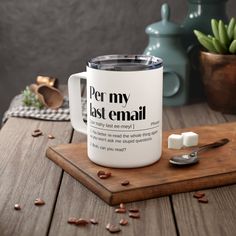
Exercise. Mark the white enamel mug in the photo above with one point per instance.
(124, 109)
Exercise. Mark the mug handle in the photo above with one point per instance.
(74, 91)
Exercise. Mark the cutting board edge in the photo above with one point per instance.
(88, 182)
(167, 189)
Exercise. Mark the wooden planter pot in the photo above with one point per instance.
(219, 79)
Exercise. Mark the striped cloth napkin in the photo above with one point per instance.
(17, 109)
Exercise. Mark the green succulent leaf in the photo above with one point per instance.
(230, 29)
(207, 43)
(235, 32)
(199, 34)
(214, 26)
(223, 36)
(232, 47)
(218, 46)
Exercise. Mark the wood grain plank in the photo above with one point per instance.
(156, 215)
(26, 174)
(217, 217)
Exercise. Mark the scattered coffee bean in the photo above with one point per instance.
(199, 194)
(100, 172)
(51, 136)
(17, 207)
(36, 133)
(39, 202)
(72, 220)
(123, 222)
(134, 215)
(81, 221)
(125, 183)
(103, 175)
(134, 209)
(122, 206)
(93, 221)
(120, 210)
(108, 226)
(114, 229)
(108, 174)
(203, 200)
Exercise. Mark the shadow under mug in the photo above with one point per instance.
(124, 109)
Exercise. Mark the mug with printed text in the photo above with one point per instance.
(124, 109)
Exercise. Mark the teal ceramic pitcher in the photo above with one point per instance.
(165, 42)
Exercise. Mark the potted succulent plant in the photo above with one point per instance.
(218, 65)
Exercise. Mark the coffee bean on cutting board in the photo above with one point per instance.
(113, 228)
(81, 222)
(122, 206)
(134, 210)
(50, 136)
(103, 175)
(72, 220)
(120, 210)
(125, 183)
(93, 221)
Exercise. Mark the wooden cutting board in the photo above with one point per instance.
(217, 167)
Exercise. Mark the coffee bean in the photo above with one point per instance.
(17, 207)
(114, 229)
(199, 194)
(123, 222)
(51, 136)
(108, 226)
(103, 176)
(72, 220)
(122, 206)
(134, 209)
(120, 210)
(81, 221)
(203, 200)
(134, 215)
(36, 133)
(125, 183)
(93, 221)
(100, 172)
(39, 202)
(37, 130)
(108, 174)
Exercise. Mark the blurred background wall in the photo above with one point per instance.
(57, 37)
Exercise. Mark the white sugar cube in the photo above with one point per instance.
(175, 141)
(190, 139)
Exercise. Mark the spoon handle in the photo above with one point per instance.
(213, 145)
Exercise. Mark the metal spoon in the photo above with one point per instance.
(192, 158)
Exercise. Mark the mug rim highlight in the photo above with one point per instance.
(119, 62)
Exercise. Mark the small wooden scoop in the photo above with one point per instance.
(49, 96)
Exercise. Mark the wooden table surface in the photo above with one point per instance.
(26, 174)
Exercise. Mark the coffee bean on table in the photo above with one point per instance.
(123, 222)
(39, 202)
(93, 221)
(81, 222)
(36, 133)
(103, 176)
(134, 215)
(120, 210)
(17, 207)
(134, 209)
(114, 229)
(199, 194)
(108, 226)
(72, 220)
(203, 200)
(122, 206)
(125, 183)
(51, 136)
